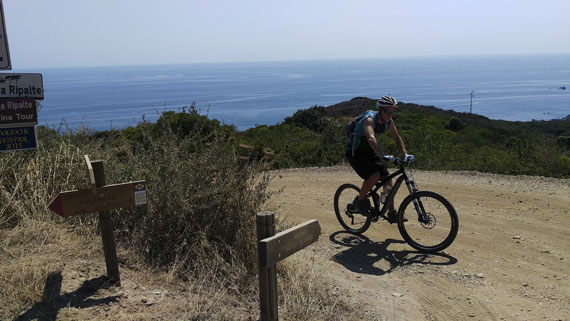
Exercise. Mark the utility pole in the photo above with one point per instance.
(471, 104)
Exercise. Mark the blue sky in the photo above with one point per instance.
(60, 33)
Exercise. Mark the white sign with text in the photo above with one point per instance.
(5, 63)
(27, 85)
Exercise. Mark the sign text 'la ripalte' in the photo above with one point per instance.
(17, 91)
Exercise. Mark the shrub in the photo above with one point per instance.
(312, 118)
(454, 125)
(202, 199)
(202, 202)
(564, 142)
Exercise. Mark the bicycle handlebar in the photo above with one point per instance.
(396, 160)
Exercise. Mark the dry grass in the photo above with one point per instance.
(51, 269)
(307, 293)
(190, 254)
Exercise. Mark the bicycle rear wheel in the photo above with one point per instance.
(434, 234)
(352, 222)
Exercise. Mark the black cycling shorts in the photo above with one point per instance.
(365, 162)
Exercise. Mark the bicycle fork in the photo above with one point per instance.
(418, 205)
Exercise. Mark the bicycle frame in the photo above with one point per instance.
(422, 216)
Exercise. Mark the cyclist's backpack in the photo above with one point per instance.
(352, 124)
(352, 139)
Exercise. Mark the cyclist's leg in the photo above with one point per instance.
(382, 169)
(363, 165)
(368, 184)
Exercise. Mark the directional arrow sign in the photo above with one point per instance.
(105, 198)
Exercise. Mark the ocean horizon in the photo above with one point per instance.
(246, 94)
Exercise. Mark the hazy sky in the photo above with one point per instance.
(56, 33)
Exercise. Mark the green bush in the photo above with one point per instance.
(202, 199)
(441, 140)
(312, 118)
(564, 142)
(454, 125)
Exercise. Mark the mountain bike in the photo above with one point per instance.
(426, 220)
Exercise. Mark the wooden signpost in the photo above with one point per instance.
(101, 198)
(273, 248)
(276, 248)
(105, 198)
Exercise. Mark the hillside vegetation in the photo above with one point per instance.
(440, 140)
(198, 227)
(207, 180)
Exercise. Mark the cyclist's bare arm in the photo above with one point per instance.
(369, 131)
(397, 138)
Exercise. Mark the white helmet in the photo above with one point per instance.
(386, 101)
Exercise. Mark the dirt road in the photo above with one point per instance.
(510, 261)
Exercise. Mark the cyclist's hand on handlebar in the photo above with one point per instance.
(389, 158)
(408, 158)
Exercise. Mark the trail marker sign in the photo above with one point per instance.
(22, 85)
(5, 63)
(105, 198)
(18, 111)
(276, 248)
(18, 138)
(101, 198)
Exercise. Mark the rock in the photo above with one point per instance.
(517, 237)
(480, 275)
(396, 294)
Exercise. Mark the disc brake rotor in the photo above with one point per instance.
(430, 222)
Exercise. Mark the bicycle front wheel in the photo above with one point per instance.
(351, 221)
(432, 222)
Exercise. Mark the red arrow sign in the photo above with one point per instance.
(105, 198)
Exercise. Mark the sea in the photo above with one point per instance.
(515, 88)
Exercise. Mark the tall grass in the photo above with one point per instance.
(198, 227)
(30, 179)
(202, 201)
(202, 198)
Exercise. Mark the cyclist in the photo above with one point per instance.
(365, 156)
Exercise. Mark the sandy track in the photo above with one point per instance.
(510, 261)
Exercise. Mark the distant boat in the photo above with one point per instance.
(562, 87)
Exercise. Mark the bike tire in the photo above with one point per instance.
(352, 222)
(435, 235)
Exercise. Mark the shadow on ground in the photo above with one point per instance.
(361, 254)
(53, 301)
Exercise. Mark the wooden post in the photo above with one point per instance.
(267, 276)
(106, 226)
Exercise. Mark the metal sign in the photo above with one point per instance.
(4, 51)
(105, 198)
(27, 85)
(17, 112)
(18, 138)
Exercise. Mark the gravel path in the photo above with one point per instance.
(510, 260)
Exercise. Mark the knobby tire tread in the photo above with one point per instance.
(452, 213)
(339, 211)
